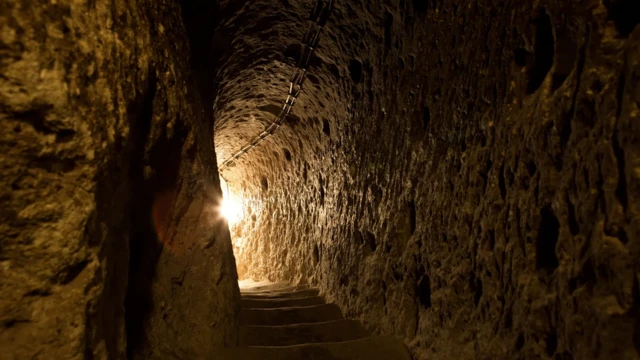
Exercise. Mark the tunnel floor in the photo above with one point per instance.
(283, 321)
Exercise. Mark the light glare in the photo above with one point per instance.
(231, 209)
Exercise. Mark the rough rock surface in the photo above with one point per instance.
(105, 151)
(464, 175)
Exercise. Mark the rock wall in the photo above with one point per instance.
(106, 183)
(463, 175)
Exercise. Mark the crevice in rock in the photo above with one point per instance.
(565, 132)
(388, 31)
(426, 117)
(573, 222)
(520, 342)
(144, 248)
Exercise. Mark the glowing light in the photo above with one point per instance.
(231, 206)
(231, 209)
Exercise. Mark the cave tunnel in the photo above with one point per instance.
(315, 179)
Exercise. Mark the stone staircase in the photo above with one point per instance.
(283, 322)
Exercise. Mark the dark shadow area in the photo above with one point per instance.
(625, 14)
(151, 208)
(144, 247)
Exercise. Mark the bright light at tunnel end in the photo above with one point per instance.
(231, 209)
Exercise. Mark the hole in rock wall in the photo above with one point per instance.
(551, 343)
(412, 216)
(326, 127)
(426, 117)
(405, 227)
(502, 182)
(548, 233)
(321, 187)
(388, 27)
(287, 154)
(519, 342)
(355, 71)
(369, 243)
(424, 291)
(293, 52)
(543, 53)
(476, 286)
(521, 57)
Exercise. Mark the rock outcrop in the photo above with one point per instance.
(107, 185)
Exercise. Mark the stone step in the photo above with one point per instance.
(282, 295)
(280, 303)
(290, 315)
(330, 331)
(263, 285)
(277, 290)
(372, 348)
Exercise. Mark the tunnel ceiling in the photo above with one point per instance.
(262, 44)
